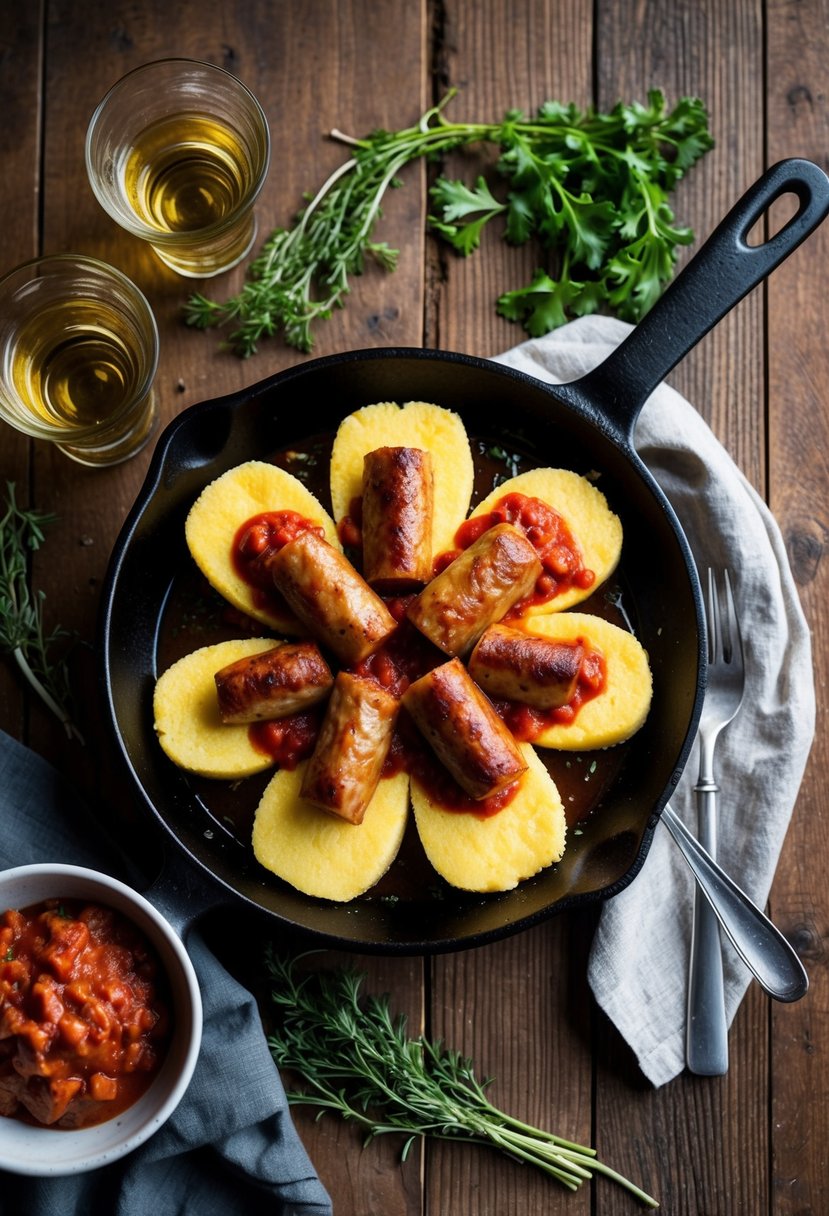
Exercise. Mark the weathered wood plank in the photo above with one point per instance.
(715, 52)
(511, 1006)
(697, 1144)
(21, 49)
(520, 1009)
(798, 48)
(500, 56)
(370, 1180)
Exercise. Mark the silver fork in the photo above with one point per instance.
(707, 1031)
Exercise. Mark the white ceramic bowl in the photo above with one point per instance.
(47, 1151)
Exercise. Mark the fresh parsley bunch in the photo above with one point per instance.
(591, 188)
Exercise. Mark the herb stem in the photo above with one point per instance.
(22, 634)
(42, 691)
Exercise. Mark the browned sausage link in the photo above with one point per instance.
(330, 598)
(272, 684)
(536, 671)
(464, 731)
(477, 589)
(351, 748)
(398, 505)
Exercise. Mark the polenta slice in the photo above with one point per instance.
(622, 706)
(187, 720)
(417, 424)
(495, 853)
(223, 506)
(584, 508)
(321, 854)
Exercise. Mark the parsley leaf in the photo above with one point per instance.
(457, 201)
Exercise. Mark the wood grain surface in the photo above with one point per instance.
(755, 1141)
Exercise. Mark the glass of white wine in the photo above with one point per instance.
(78, 355)
(177, 152)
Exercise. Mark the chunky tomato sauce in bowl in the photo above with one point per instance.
(100, 1019)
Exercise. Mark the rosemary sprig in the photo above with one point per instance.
(358, 1060)
(22, 632)
(590, 187)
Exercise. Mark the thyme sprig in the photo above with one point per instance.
(589, 187)
(358, 1060)
(22, 631)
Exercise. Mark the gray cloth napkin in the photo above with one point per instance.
(230, 1147)
(638, 965)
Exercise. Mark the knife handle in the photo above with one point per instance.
(706, 1042)
(770, 958)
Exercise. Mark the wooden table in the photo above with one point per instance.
(754, 1141)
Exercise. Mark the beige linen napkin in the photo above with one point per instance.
(638, 965)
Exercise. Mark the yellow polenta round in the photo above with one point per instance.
(621, 708)
(584, 508)
(187, 720)
(417, 424)
(496, 853)
(321, 854)
(220, 510)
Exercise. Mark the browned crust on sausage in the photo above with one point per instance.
(398, 506)
(330, 598)
(464, 731)
(477, 589)
(536, 671)
(351, 748)
(278, 682)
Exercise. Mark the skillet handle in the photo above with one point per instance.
(720, 274)
(182, 893)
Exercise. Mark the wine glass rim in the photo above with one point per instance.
(122, 214)
(23, 271)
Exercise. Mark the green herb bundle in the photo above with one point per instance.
(22, 632)
(359, 1061)
(590, 188)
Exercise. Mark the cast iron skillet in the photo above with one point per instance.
(585, 425)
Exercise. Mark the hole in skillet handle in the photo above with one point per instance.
(724, 270)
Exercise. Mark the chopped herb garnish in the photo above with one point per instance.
(511, 460)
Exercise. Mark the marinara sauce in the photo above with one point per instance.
(526, 722)
(84, 1018)
(287, 740)
(410, 752)
(255, 541)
